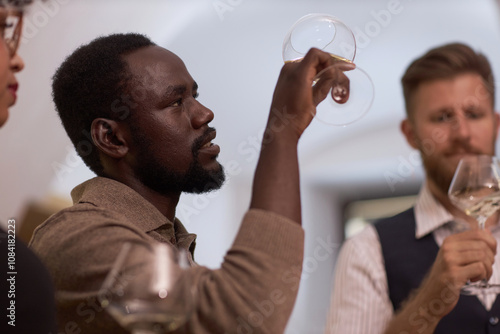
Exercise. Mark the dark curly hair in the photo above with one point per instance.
(446, 62)
(90, 84)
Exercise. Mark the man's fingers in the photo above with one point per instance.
(477, 271)
(320, 60)
(333, 81)
(476, 255)
(470, 255)
(476, 235)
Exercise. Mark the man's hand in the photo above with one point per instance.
(463, 256)
(295, 95)
(276, 183)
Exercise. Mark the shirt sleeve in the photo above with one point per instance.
(359, 300)
(255, 289)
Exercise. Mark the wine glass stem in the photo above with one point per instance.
(481, 222)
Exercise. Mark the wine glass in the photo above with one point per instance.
(349, 100)
(475, 189)
(142, 291)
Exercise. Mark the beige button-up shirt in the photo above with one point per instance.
(252, 291)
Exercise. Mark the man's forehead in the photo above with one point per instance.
(156, 63)
(459, 91)
(153, 57)
(158, 73)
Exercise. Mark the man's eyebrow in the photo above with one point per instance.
(440, 110)
(174, 91)
(178, 90)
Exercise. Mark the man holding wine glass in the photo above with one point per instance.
(404, 274)
(147, 137)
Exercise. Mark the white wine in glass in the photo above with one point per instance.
(475, 189)
(142, 291)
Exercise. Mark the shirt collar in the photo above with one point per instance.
(429, 213)
(116, 196)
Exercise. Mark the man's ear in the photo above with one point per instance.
(409, 132)
(109, 137)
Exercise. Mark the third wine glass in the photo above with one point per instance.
(475, 189)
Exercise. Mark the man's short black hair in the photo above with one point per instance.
(92, 83)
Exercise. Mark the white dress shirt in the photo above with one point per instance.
(360, 301)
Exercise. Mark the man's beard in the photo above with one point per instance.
(155, 176)
(438, 174)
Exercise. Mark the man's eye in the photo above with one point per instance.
(474, 113)
(444, 117)
(176, 103)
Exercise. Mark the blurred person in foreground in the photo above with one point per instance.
(130, 108)
(404, 274)
(27, 293)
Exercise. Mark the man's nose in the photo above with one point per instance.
(461, 127)
(201, 115)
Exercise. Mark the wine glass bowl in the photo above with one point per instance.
(142, 291)
(347, 101)
(320, 31)
(475, 189)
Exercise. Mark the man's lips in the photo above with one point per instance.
(13, 89)
(464, 152)
(463, 149)
(207, 146)
(207, 142)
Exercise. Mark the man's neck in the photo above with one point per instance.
(165, 203)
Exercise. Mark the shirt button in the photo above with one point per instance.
(493, 321)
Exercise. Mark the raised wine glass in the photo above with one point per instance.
(346, 102)
(141, 292)
(475, 189)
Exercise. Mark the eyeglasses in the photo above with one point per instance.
(11, 24)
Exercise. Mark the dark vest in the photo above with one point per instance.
(407, 260)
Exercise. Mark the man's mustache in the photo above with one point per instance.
(198, 143)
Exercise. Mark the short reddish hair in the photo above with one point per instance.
(446, 62)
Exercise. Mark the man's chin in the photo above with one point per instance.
(207, 181)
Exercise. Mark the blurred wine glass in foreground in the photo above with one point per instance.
(345, 102)
(141, 292)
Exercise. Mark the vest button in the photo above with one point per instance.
(494, 321)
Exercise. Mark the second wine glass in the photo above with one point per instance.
(475, 189)
(146, 291)
(331, 35)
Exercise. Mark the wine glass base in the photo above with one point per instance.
(479, 288)
(361, 96)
